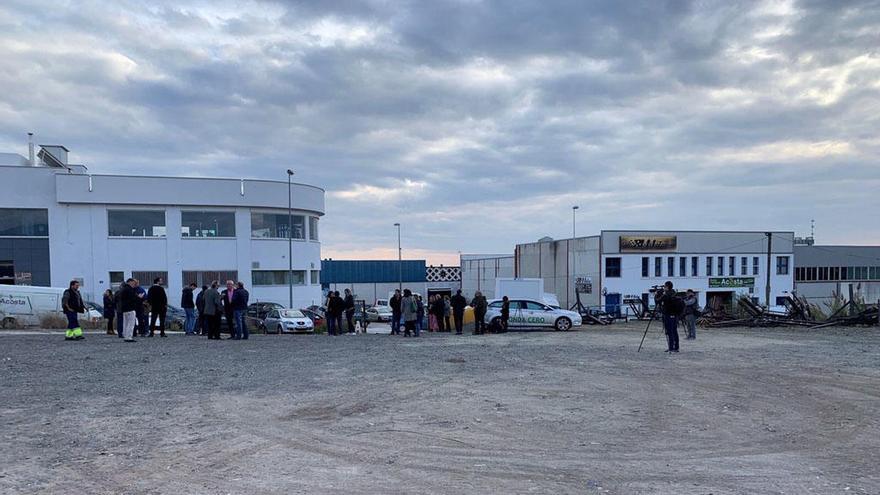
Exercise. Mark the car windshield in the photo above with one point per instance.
(291, 313)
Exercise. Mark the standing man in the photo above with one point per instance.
(239, 308)
(213, 307)
(141, 310)
(72, 304)
(505, 313)
(438, 309)
(458, 304)
(348, 306)
(201, 321)
(129, 301)
(109, 310)
(410, 310)
(158, 300)
(480, 305)
(329, 313)
(691, 309)
(671, 306)
(118, 305)
(394, 302)
(189, 307)
(420, 314)
(228, 312)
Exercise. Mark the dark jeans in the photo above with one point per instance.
(395, 323)
(72, 320)
(119, 324)
(349, 318)
(212, 323)
(479, 322)
(110, 325)
(230, 321)
(241, 329)
(440, 323)
(142, 324)
(670, 324)
(158, 314)
(331, 324)
(409, 327)
(459, 320)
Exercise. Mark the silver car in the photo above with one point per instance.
(287, 321)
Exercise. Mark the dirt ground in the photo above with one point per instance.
(737, 411)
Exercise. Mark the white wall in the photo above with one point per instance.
(479, 274)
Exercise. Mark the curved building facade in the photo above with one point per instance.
(63, 224)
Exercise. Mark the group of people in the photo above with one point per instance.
(409, 311)
(337, 307)
(676, 309)
(130, 305)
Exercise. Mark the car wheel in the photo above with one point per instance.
(563, 324)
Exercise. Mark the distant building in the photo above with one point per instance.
(479, 272)
(371, 280)
(850, 272)
(58, 222)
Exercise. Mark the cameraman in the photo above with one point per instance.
(671, 306)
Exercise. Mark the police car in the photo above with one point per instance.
(528, 313)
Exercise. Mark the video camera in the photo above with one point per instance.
(656, 288)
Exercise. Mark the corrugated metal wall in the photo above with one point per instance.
(370, 271)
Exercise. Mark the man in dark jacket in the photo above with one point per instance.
(480, 305)
(201, 323)
(189, 307)
(671, 306)
(239, 307)
(438, 309)
(505, 313)
(348, 307)
(158, 306)
(213, 308)
(129, 301)
(394, 302)
(458, 305)
(141, 311)
(72, 304)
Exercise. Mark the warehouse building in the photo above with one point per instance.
(479, 272)
(823, 273)
(372, 280)
(58, 222)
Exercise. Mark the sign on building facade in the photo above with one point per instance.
(637, 243)
(731, 282)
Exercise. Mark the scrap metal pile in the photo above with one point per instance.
(797, 313)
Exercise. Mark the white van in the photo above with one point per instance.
(22, 305)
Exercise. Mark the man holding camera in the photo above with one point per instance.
(671, 306)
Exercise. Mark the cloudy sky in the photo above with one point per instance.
(476, 124)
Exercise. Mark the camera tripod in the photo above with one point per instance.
(651, 315)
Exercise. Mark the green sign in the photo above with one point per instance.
(725, 282)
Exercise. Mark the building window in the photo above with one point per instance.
(645, 267)
(207, 224)
(780, 300)
(798, 273)
(313, 228)
(670, 266)
(812, 273)
(116, 279)
(316, 277)
(682, 267)
(658, 266)
(612, 267)
(708, 266)
(744, 266)
(145, 278)
(731, 266)
(756, 262)
(201, 278)
(277, 277)
(721, 266)
(782, 265)
(695, 266)
(835, 273)
(136, 223)
(21, 222)
(275, 226)
(874, 273)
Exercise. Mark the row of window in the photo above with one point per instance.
(259, 278)
(684, 266)
(151, 223)
(834, 273)
(24, 222)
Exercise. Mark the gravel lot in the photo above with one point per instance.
(737, 411)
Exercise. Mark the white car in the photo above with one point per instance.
(287, 321)
(527, 313)
(379, 314)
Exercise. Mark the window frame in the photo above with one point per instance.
(783, 265)
(215, 212)
(34, 225)
(274, 228)
(164, 213)
(610, 269)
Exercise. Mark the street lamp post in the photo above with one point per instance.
(290, 238)
(574, 210)
(399, 260)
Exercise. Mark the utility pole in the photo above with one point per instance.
(574, 210)
(289, 239)
(769, 251)
(399, 260)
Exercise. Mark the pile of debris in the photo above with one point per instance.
(798, 312)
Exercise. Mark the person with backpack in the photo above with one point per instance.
(691, 312)
(410, 311)
(671, 306)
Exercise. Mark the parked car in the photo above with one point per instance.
(527, 313)
(94, 311)
(287, 321)
(258, 311)
(379, 314)
(317, 318)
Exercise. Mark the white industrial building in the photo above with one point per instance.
(605, 271)
(60, 222)
(823, 273)
(479, 272)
